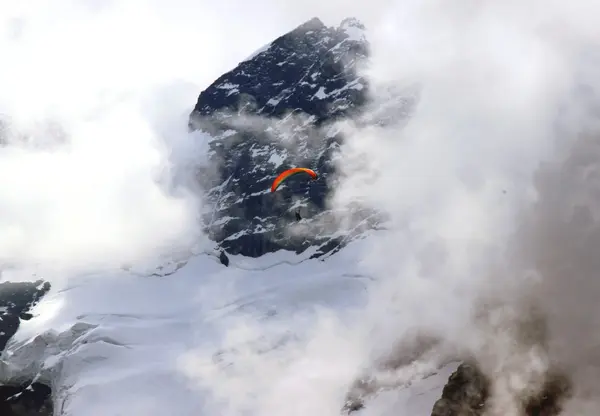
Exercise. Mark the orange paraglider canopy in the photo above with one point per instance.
(291, 172)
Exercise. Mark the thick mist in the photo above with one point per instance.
(94, 106)
(491, 188)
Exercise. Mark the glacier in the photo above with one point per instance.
(222, 340)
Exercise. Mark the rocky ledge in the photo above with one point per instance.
(30, 398)
(467, 393)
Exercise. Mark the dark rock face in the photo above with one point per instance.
(224, 259)
(271, 113)
(311, 69)
(468, 390)
(549, 403)
(16, 299)
(26, 400)
(464, 395)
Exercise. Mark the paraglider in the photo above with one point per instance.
(291, 172)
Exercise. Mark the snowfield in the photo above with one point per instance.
(209, 339)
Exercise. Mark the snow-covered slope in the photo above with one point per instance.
(210, 340)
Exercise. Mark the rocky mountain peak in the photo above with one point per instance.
(268, 114)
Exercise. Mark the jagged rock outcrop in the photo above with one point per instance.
(270, 113)
(26, 400)
(464, 395)
(224, 259)
(16, 300)
(468, 391)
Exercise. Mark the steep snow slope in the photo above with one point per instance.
(258, 337)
